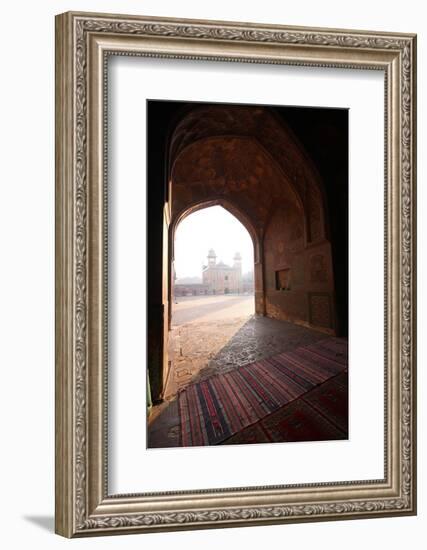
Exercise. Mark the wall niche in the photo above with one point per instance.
(283, 279)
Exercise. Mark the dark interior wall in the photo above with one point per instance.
(158, 122)
(324, 135)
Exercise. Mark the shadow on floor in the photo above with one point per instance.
(258, 338)
(46, 523)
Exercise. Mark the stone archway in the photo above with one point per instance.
(246, 160)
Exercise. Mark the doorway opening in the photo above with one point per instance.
(212, 291)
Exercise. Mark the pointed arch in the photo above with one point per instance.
(242, 218)
(246, 160)
(228, 205)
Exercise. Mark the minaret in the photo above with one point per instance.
(237, 261)
(211, 257)
(237, 264)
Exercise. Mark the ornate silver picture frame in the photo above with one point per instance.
(84, 42)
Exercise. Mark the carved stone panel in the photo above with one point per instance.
(318, 273)
(298, 273)
(320, 310)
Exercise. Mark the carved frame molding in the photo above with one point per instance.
(83, 43)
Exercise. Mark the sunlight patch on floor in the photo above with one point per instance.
(196, 343)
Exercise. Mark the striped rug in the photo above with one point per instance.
(216, 408)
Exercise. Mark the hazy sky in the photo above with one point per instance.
(215, 228)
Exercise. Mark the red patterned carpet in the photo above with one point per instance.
(244, 401)
(320, 415)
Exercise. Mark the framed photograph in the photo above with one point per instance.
(235, 274)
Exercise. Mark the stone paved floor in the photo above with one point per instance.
(204, 347)
(193, 348)
(257, 338)
(192, 309)
(201, 327)
(201, 349)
